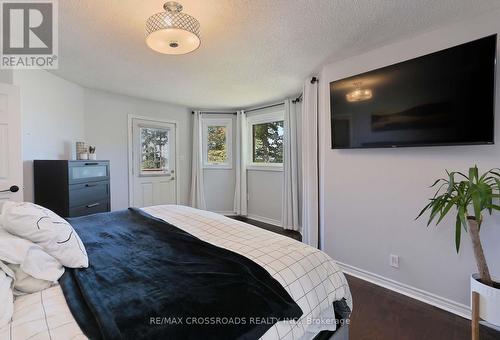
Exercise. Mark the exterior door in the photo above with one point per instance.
(11, 165)
(153, 175)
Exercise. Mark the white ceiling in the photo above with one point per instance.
(252, 51)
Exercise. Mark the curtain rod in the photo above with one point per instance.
(299, 98)
(218, 112)
(265, 107)
(296, 100)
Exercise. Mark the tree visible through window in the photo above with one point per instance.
(154, 150)
(217, 144)
(267, 142)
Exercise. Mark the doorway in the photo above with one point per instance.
(152, 162)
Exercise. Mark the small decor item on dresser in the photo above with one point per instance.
(81, 151)
(92, 154)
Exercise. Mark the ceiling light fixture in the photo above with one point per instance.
(172, 32)
(359, 94)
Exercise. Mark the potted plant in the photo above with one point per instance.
(471, 196)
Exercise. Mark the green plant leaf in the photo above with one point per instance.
(471, 195)
(436, 207)
(436, 182)
(461, 215)
(473, 174)
(458, 232)
(446, 209)
(451, 183)
(423, 210)
(495, 173)
(476, 204)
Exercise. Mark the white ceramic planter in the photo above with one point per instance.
(489, 300)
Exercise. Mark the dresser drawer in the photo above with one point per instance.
(81, 172)
(90, 208)
(85, 193)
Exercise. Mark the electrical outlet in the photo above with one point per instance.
(394, 261)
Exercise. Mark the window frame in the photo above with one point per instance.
(256, 119)
(228, 124)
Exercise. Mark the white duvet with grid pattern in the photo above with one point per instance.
(310, 276)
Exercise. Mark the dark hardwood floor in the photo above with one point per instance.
(381, 314)
(290, 233)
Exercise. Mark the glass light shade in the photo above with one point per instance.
(172, 32)
(173, 41)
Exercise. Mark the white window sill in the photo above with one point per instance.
(276, 168)
(166, 174)
(217, 167)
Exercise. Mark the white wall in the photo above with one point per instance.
(220, 183)
(106, 117)
(369, 198)
(6, 76)
(52, 118)
(265, 190)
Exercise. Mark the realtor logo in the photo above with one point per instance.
(29, 34)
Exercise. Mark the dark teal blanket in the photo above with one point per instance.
(148, 279)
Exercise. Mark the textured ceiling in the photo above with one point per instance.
(252, 51)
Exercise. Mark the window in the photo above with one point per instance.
(154, 151)
(266, 140)
(217, 141)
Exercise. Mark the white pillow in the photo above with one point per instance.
(6, 296)
(25, 283)
(31, 258)
(1, 205)
(41, 265)
(43, 227)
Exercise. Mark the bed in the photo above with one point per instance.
(310, 277)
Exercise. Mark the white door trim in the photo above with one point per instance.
(130, 118)
(11, 168)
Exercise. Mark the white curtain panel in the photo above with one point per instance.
(309, 127)
(291, 149)
(240, 192)
(197, 185)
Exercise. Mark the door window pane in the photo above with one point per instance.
(217, 144)
(154, 151)
(267, 142)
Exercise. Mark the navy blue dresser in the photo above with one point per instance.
(72, 188)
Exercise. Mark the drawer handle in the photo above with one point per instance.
(93, 205)
(91, 163)
(90, 185)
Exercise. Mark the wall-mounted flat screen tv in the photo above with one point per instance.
(443, 98)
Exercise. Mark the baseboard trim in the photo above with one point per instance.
(264, 220)
(226, 213)
(410, 291)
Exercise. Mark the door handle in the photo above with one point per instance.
(91, 163)
(13, 188)
(93, 205)
(90, 185)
